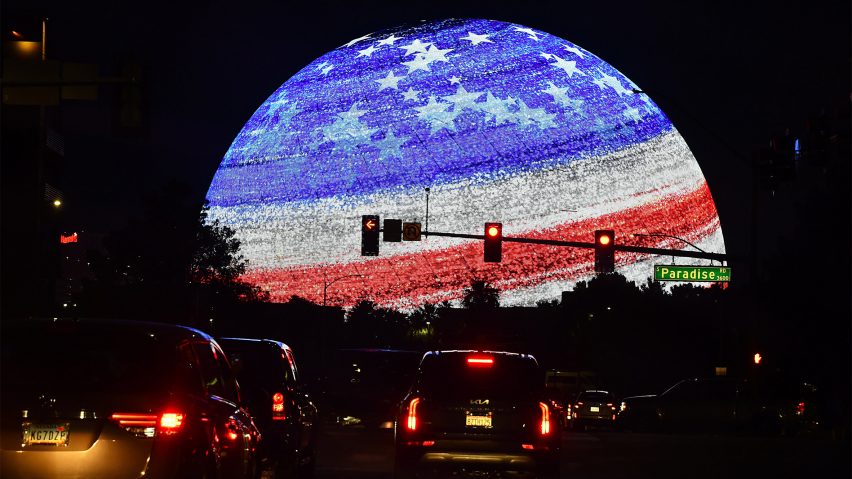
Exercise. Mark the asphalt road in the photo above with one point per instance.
(362, 454)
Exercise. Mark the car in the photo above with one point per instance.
(690, 405)
(282, 408)
(116, 399)
(699, 405)
(637, 413)
(478, 410)
(593, 408)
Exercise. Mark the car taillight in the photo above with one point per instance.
(411, 425)
(147, 425)
(170, 422)
(545, 418)
(480, 361)
(278, 413)
(800, 408)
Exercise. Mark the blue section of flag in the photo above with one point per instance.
(431, 104)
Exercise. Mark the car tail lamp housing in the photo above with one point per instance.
(411, 423)
(149, 425)
(170, 422)
(545, 418)
(480, 361)
(278, 412)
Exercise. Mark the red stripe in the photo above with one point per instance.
(434, 276)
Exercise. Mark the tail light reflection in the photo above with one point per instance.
(278, 413)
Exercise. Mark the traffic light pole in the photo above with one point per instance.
(583, 244)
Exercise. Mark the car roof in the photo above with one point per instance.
(165, 331)
(459, 352)
(266, 342)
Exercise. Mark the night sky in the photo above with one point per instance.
(727, 74)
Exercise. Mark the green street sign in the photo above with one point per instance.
(673, 272)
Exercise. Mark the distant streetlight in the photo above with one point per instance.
(57, 203)
(663, 235)
(328, 283)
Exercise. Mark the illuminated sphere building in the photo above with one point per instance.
(501, 122)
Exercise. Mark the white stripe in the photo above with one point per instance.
(328, 231)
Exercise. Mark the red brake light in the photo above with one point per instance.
(146, 424)
(545, 418)
(134, 420)
(412, 414)
(278, 413)
(480, 361)
(170, 422)
(528, 447)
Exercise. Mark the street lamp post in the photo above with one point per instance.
(327, 283)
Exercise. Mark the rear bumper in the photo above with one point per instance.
(105, 459)
(595, 418)
(479, 454)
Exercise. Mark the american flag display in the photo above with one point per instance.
(501, 122)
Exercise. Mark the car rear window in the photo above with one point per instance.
(86, 360)
(508, 377)
(257, 363)
(595, 397)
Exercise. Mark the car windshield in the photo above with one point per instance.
(91, 360)
(507, 377)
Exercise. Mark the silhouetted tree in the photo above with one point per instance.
(481, 295)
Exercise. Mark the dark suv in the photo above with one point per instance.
(477, 410)
(593, 408)
(282, 408)
(98, 398)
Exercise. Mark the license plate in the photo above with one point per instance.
(594, 409)
(473, 420)
(46, 434)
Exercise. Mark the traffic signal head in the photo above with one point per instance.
(392, 230)
(370, 235)
(493, 242)
(604, 251)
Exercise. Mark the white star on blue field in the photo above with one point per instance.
(466, 98)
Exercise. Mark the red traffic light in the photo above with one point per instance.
(493, 250)
(604, 251)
